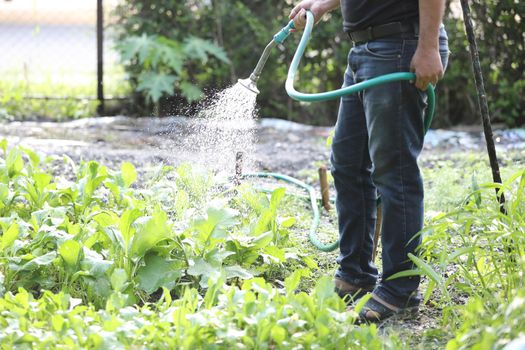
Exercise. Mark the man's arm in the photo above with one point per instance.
(426, 62)
(318, 8)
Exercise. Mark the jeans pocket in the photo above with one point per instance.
(386, 50)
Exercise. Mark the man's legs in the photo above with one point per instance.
(356, 194)
(394, 115)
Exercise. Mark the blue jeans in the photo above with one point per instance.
(378, 138)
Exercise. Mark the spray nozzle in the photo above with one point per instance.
(251, 82)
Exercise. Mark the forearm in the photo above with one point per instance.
(329, 5)
(430, 18)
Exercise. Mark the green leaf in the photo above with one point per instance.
(292, 282)
(105, 218)
(216, 256)
(275, 252)
(95, 264)
(140, 46)
(155, 230)
(361, 303)
(459, 252)
(33, 157)
(125, 224)
(406, 273)
(190, 92)
(4, 192)
(39, 261)
(278, 334)
(277, 196)
(41, 181)
(427, 269)
(428, 292)
(129, 174)
(9, 236)
(200, 268)
(70, 252)
(156, 273)
(197, 48)
(172, 53)
(14, 162)
(216, 224)
(288, 222)
(324, 289)
(263, 240)
(118, 279)
(3, 145)
(156, 85)
(237, 271)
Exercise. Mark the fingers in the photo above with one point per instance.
(422, 81)
(295, 11)
(300, 19)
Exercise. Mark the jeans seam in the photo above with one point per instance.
(363, 200)
(401, 153)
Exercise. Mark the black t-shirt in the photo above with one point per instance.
(361, 14)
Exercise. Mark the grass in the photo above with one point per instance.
(76, 94)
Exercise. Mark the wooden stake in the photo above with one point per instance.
(239, 160)
(377, 232)
(325, 189)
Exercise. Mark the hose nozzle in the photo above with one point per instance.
(251, 82)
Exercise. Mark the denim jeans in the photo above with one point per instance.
(378, 138)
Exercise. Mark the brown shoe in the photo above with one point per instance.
(349, 292)
(376, 310)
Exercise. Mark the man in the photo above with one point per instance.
(378, 138)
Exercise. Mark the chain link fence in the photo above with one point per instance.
(52, 50)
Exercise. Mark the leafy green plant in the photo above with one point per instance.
(99, 237)
(254, 316)
(162, 63)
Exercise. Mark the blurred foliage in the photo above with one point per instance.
(499, 29)
(243, 28)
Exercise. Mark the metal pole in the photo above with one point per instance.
(100, 57)
(482, 101)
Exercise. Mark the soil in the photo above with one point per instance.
(282, 146)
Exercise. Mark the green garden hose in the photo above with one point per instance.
(330, 95)
(313, 202)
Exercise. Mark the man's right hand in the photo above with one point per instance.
(317, 7)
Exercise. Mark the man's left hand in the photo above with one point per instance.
(427, 65)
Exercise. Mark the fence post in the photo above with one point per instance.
(100, 57)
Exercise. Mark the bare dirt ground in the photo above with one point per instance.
(281, 146)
